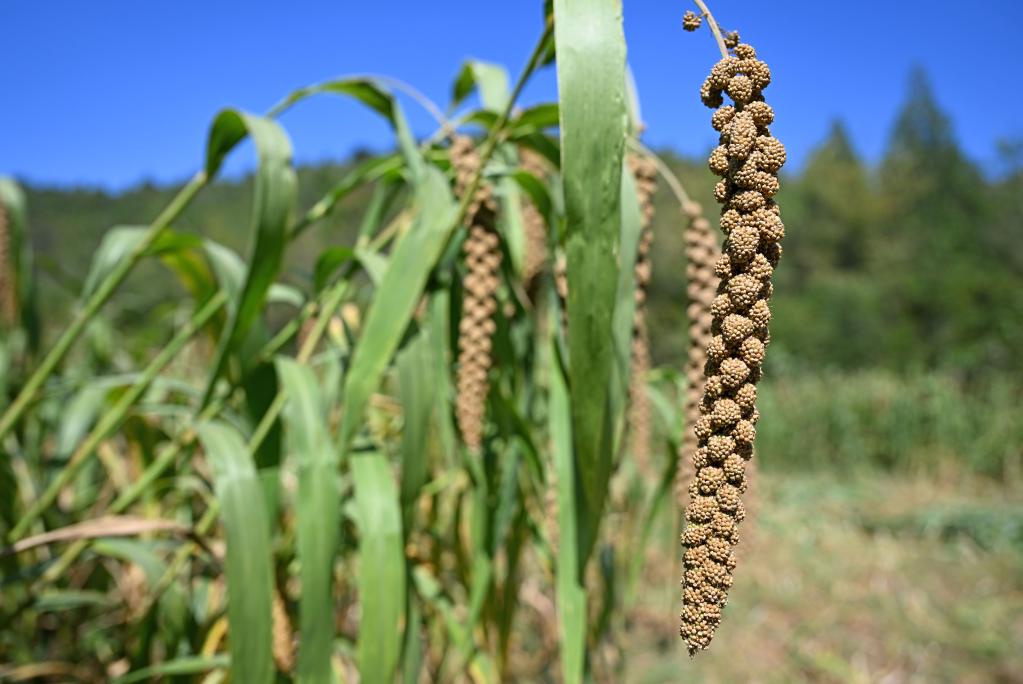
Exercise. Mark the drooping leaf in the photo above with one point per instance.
(375, 95)
(274, 195)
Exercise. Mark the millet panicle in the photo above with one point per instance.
(747, 160)
(476, 328)
(702, 252)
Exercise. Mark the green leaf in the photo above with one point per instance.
(329, 261)
(397, 296)
(385, 168)
(591, 79)
(117, 243)
(274, 196)
(317, 517)
(381, 567)
(490, 79)
(60, 599)
(416, 390)
(571, 595)
(537, 117)
(78, 415)
(625, 307)
(249, 577)
(179, 666)
(377, 97)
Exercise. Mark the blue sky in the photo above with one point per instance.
(112, 93)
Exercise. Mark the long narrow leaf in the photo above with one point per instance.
(274, 195)
(317, 517)
(249, 578)
(397, 296)
(180, 666)
(591, 80)
(382, 576)
(571, 596)
(416, 392)
(374, 95)
(625, 306)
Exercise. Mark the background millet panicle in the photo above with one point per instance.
(639, 420)
(534, 226)
(702, 252)
(747, 160)
(483, 262)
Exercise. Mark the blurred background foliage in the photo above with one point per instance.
(898, 309)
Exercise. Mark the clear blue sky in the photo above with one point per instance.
(112, 93)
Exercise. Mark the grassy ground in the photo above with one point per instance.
(875, 579)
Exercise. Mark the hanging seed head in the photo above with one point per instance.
(465, 164)
(702, 252)
(723, 432)
(535, 227)
(691, 21)
(476, 328)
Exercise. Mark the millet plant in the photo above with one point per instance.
(444, 461)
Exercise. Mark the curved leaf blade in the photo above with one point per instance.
(274, 197)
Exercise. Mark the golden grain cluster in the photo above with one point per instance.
(691, 20)
(747, 160)
(483, 263)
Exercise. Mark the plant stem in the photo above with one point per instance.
(667, 174)
(714, 28)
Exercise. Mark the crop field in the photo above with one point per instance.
(521, 399)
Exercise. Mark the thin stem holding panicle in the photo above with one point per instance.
(714, 28)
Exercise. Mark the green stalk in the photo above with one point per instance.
(112, 418)
(95, 303)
